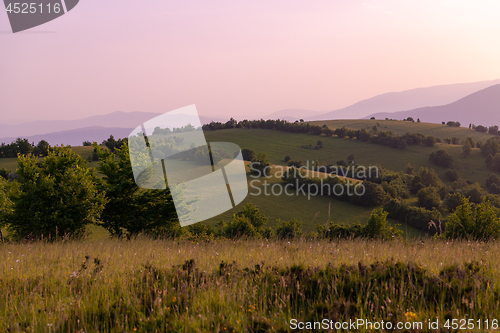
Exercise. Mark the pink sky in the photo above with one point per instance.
(237, 58)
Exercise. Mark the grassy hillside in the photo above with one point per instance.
(277, 145)
(401, 127)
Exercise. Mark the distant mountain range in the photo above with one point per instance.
(406, 100)
(74, 132)
(477, 103)
(292, 114)
(480, 108)
(76, 137)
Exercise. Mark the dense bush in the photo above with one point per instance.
(58, 196)
(248, 222)
(248, 154)
(416, 217)
(376, 228)
(452, 201)
(451, 175)
(428, 198)
(260, 165)
(490, 147)
(288, 229)
(479, 223)
(441, 158)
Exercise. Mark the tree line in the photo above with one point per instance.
(374, 135)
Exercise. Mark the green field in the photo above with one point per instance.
(402, 127)
(277, 145)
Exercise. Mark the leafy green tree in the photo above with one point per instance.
(451, 175)
(42, 148)
(441, 158)
(428, 198)
(452, 201)
(261, 164)
(429, 141)
(378, 227)
(7, 191)
(294, 163)
(131, 210)
(23, 146)
(493, 162)
(491, 147)
(469, 140)
(409, 169)
(467, 148)
(248, 154)
(4, 173)
(253, 213)
(58, 196)
(474, 192)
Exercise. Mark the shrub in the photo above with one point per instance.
(377, 227)
(451, 175)
(441, 158)
(250, 211)
(416, 217)
(248, 154)
(429, 141)
(289, 229)
(490, 147)
(240, 226)
(453, 124)
(481, 223)
(481, 128)
(287, 158)
(260, 165)
(294, 163)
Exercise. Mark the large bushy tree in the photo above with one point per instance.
(57, 196)
(131, 210)
(7, 191)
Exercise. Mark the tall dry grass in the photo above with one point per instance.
(247, 285)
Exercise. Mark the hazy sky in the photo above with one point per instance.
(241, 57)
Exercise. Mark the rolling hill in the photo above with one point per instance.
(406, 100)
(277, 144)
(76, 137)
(480, 108)
(116, 119)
